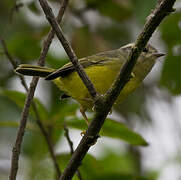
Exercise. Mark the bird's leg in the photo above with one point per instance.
(82, 110)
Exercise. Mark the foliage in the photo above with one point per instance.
(91, 26)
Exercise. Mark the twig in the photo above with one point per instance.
(13, 62)
(25, 112)
(78, 67)
(38, 120)
(71, 148)
(45, 134)
(68, 139)
(162, 9)
(103, 104)
(21, 130)
(51, 34)
(48, 141)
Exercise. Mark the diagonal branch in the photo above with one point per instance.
(163, 8)
(48, 141)
(38, 120)
(78, 67)
(25, 112)
(13, 62)
(21, 130)
(71, 148)
(103, 104)
(51, 34)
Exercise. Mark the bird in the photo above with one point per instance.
(102, 69)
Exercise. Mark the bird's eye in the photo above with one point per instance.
(145, 50)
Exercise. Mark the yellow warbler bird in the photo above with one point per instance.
(102, 69)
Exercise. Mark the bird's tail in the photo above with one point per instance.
(32, 70)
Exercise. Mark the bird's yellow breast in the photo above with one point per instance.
(102, 76)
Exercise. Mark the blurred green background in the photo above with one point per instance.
(151, 114)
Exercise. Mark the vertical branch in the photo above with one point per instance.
(28, 101)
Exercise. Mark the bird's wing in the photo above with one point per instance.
(98, 59)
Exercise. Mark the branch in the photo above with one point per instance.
(21, 130)
(51, 34)
(71, 148)
(78, 67)
(13, 62)
(38, 120)
(103, 104)
(163, 8)
(28, 101)
(48, 141)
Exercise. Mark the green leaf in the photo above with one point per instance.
(112, 129)
(171, 74)
(119, 130)
(104, 168)
(15, 124)
(170, 30)
(19, 99)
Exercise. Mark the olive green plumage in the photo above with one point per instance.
(102, 69)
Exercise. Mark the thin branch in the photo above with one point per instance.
(28, 101)
(71, 148)
(48, 141)
(51, 34)
(78, 67)
(45, 134)
(162, 9)
(13, 62)
(21, 130)
(8, 55)
(38, 120)
(68, 139)
(103, 104)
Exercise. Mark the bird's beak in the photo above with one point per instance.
(157, 54)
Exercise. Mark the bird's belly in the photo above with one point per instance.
(101, 76)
